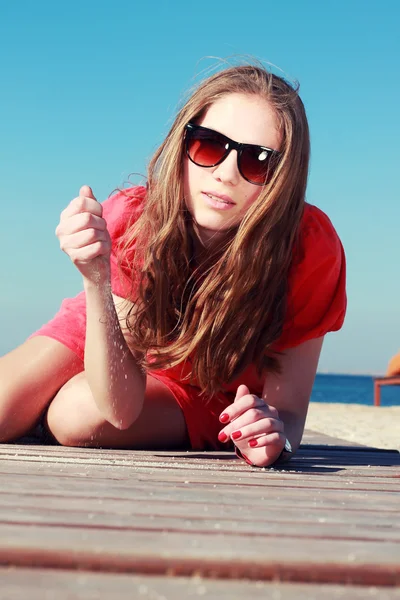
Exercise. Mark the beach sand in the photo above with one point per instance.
(376, 426)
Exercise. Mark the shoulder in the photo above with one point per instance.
(121, 210)
(316, 301)
(123, 202)
(318, 247)
(317, 230)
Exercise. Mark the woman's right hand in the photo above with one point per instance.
(84, 237)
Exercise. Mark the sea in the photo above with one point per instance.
(352, 389)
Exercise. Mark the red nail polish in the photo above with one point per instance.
(247, 460)
(253, 443)
(222, 437)
(236, 435)
(240, 454)
(224, 418)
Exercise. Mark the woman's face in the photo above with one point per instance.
(243, 118)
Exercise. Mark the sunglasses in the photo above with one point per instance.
(208, 148)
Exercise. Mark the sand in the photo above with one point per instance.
(376, 426)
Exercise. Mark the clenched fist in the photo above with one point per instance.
(84, 237)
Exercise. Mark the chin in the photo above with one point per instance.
(213, 225)
(213, 221)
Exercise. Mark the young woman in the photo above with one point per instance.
(206, 297)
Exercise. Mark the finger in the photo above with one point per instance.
(271, 439)
(253, 429)
(78, 240)
(88, 253)
(82, 204)
(246, 403)
(249, 417)
(237, 428)
(80, 222)
(242, 390)
(87, 192)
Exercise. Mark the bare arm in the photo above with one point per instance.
(112, 372)
(290, 391)
(115, 379)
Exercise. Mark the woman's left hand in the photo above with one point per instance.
(254, 427)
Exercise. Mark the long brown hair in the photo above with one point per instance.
(228, 314)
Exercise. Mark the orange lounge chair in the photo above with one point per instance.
(392, 378)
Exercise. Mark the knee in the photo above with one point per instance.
(72, 417)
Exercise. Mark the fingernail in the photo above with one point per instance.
(253, 443)
(224, 418)
(222, 437)
(236, 435)
(247, 460)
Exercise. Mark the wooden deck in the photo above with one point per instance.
(85, 524)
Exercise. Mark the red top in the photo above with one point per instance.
(316, 290)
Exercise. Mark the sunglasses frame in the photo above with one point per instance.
(232, 145)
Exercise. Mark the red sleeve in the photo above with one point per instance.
(68, 326)
(119, 211)
(317, 282)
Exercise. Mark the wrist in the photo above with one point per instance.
(285, 455)
(98, 273)
(97, 281)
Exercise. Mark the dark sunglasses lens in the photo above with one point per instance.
(256, 165)
(205, 148)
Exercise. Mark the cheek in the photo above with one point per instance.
(186, 176)
(250, 196)
(191, 174)
(190, 183)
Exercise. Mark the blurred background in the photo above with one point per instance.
(89, 89)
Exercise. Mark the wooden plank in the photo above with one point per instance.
(206, 524)
(310, 439)
(208, 513)
(368, 478)
(337, 512)
(188, 510)
(213, 471)
(187, 554)
(139, 490)
(305, 460)
(10, 450)
(190, 503)
(39, 584)
(71, 480)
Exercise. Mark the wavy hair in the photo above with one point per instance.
(226, 314)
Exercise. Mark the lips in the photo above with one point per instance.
(219, 197)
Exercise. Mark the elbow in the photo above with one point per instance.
(121, 424)
(123, 421)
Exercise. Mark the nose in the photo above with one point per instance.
(227, 172)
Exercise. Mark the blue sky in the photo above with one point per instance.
(90, 88)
